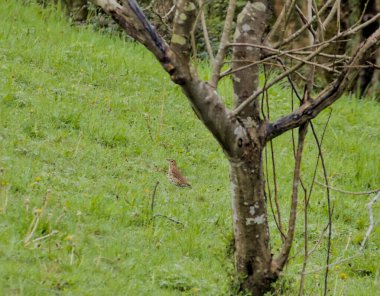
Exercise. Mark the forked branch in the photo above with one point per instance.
(175, 59)
(328, 96)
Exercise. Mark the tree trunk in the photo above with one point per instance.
(252, 255)
(251, 232)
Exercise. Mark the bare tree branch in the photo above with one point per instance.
(362, 244)
(278, 53)
(303, 28)
(276, 191)
(244, 104)
(280, 261)
(219, 59)
(205, 33)
(305, 19)
(331, 14)
(175, 60)
(131, 19)
(322, 28)
(282, 19)
(328, 96)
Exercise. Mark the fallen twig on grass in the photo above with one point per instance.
(60, 217)
(36, 219)
(153, 216)
(54, 232)
(371, 223)
(368, 232)
(5, 202)
(166, 217)
(33, 226)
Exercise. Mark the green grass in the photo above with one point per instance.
(86, 124)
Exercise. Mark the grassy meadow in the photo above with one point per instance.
(87, 121)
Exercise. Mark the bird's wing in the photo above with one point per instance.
(177, 174)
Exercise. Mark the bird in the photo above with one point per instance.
(175, 176)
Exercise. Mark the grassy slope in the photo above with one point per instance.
(92, 119)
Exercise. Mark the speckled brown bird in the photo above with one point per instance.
(175, 176)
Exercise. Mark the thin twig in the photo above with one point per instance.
(329, 215)
(285, 250)
(352, 30)
(274, 81)
(348, 242)
(169, 12)
(306, 244)
(280, 66)
(285, 13)
(362, 14)
(332, 264)
(371, 222)
(163, 22)
(368, 232)
(153, 198)
(205, 32)
(319, 240)
(280, 53)
(369, 43)
(313, 38)
(320, 155)
(330, 15)
(357, 28)
(32, 228)
(267, 116)
(303, 28)
(349, 192)
(277, 219)
(275, 185)
(319, 146)
(218, 62)
(168, 218)
(304, 20)
(322, 28)
(338, 18)
(54, 232)
(276, 191)
(269, 190)
(325, 55)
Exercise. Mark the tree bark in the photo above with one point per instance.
(251, 231)
(253, 257)
(250, 28)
